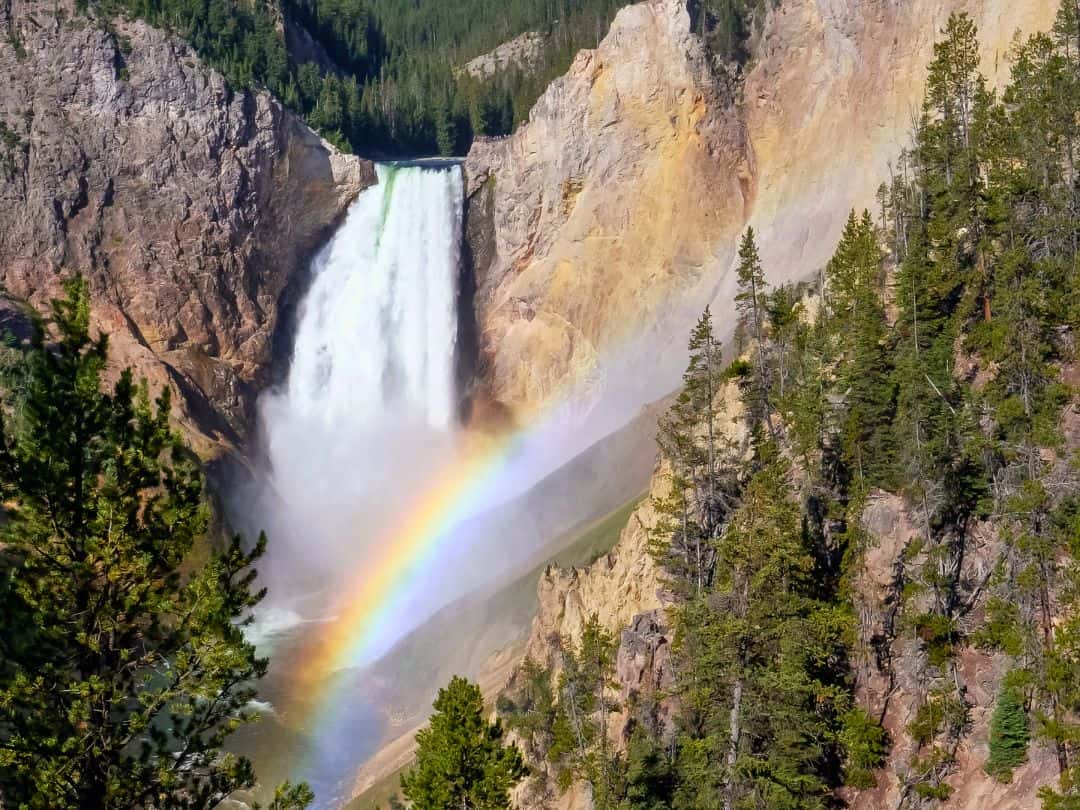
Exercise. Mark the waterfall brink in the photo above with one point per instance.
(371, 393)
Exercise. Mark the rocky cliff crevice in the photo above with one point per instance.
(191, 208)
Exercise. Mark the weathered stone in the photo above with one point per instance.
(190, 208)
(521, 52)
(606, 204)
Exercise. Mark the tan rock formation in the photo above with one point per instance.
(519, 52)
(629, 185)
(828, 104)
(617, 587)
(191, 209)
(604, 204)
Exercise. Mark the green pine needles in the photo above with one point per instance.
(1009, 735)
(123, 667)
(462, 760)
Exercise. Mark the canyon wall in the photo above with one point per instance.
(616, 208)
(829, 101)
(822, 113)
(608, 202)
(619, 203)
(893, 672)
(190, 208)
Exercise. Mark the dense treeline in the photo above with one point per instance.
(392, 82)
(410, 94)
(725, 26)
(927, 361)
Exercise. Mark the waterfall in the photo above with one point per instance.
(371, 394)
(376, 337)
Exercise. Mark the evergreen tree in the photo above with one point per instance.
(701, 489)
(649, 775)
(756, 708)
(750, 303)
(750, 276)
(123, 667)
(1009, 736)
(532, 711)
(864, 384)
(581, 731)
(461, 760)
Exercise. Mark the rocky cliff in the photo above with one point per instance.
(624, 590)
(893, 679)
(190, 208)
(611, 199)
(893, 674)
(615, 209)
(828, 103)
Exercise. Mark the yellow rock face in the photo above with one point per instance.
(615, 210)
(829, 104)
(609, 198)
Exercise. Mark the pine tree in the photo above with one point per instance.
(123, 666)
(461, 760)
(864, 385)
(581, 748)
(750, 644)
(649, 775)
(700, 491)
(750, 275)
(750, 302)
(1009, 736)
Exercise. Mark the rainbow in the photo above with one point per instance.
(451, 496)
(367, 620)
(364, 625)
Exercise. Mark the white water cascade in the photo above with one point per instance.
(371, 395)
(376, 337)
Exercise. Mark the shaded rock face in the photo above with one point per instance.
(191, 209)
(645, 673)
(619, 204)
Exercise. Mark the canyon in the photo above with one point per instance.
(604, 224)
(615, 210)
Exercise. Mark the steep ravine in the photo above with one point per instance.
(191, 208)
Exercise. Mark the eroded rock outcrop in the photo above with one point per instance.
(616, 588)
(625, 591)
(894, 678)
(190, 208)
(520, 52)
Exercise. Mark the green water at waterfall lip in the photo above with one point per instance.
(424, 163)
